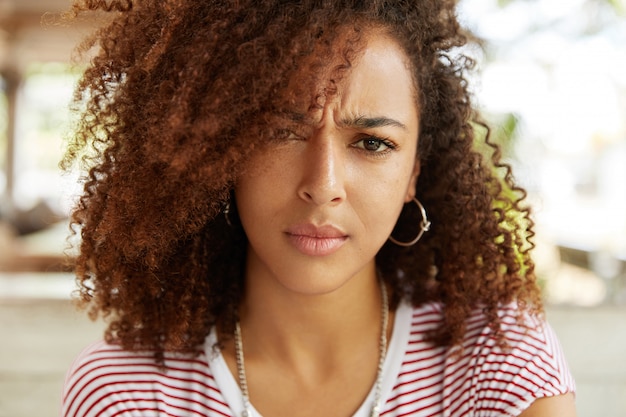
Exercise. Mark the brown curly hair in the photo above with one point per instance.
(177, 98)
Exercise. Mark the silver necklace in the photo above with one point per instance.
(376, 406)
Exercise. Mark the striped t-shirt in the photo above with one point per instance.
(419, 378)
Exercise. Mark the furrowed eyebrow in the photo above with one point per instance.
(364, 122)
(361, 122)
(293, 116)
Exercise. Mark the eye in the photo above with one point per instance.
(374, 144)
(287, 134)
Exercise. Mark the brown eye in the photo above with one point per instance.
(374, 144)
(287, 134)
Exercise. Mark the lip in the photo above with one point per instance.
(314, 240)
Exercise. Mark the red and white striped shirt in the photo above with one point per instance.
(419, 378)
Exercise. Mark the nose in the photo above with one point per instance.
(323, 171)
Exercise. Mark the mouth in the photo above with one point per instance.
(316, 241)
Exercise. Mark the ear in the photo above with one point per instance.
(410, 192)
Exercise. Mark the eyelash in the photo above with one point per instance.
(390, 146)
(288, 134)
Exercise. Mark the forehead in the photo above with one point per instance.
(367, 64)
(381, 77)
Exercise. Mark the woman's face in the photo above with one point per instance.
(318, 204)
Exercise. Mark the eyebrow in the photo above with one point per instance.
(364, 122)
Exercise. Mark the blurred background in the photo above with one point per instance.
(551, 80)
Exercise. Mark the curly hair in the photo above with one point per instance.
(177, 98)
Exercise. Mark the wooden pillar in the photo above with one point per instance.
(12, 81)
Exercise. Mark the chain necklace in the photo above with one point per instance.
(376, 406)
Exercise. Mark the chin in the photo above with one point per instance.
(317, 280)
(313, 286)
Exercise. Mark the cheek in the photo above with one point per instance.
(389, 184)
(260, 188)
(381, 202)
(252, 193)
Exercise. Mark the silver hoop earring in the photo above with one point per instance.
(424, 227)
(227, 214)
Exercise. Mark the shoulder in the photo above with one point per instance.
(521, 332)
(531, 353)
(107, 380)
(483, 376)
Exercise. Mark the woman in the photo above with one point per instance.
(285, 216)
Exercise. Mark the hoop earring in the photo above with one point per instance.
(226, 212)
(424, 227)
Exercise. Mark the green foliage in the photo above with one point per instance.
(619, 6)
(504, 3)
(497, 148)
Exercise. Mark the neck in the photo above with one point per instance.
(297, 328)
(313, 356)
